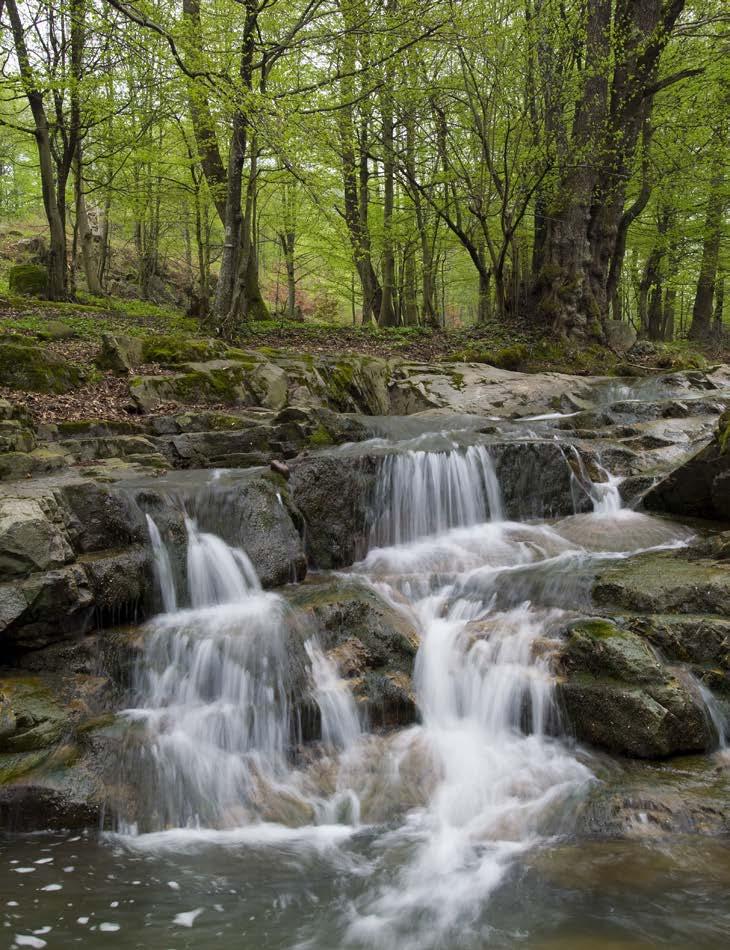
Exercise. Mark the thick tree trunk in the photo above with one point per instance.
(624, 42)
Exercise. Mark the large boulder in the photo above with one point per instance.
(30, 540)
(174, 350)
(35, 369)
(28, 280)
(59, 751)
(333, 492)
(699, 488)
(218, 382)
(620, 336)
(258, 515)
(535, 479)
(618, 696)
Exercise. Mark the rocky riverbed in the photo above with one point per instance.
(361, 491)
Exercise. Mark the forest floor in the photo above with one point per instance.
(74, 331)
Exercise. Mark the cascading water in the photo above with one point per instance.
(432, 817)
(424, 493)
(214, 690)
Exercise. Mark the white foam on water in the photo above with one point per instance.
(187, 918)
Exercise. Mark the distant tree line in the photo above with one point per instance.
(556, 161)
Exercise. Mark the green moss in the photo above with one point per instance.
(320, 437)
(28, 280)
(723, 431)
(34, 369)
(597, 629)
(174, 350)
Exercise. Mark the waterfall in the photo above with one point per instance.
(340, 723)
(217, 573)
(213, 690)
(163, 568)
(214, 720)
(443, 807)
(423, 493)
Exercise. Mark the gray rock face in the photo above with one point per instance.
(665, 582)
(259, 516)
(57, 758)
(30, 540)
(119, 353)
(699, 488)
(535, 478)
(619, 697)
(657, 799)
(333, 495)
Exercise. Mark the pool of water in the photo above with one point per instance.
(310, 890)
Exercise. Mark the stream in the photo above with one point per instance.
(458, 831)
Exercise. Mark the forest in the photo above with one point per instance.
(553, 163)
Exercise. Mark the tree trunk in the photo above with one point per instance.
(86, 236)
(57, 266)
(387, 315)
(623, 44)
(701, 327)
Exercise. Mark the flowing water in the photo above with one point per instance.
(455, 832)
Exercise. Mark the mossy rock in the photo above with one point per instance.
(56, 330)
(173, 350)
(35, 369)
(619, 696)
(28, 280)
(31, 718)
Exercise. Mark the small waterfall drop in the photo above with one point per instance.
(340, 722)
(423, 493)
(163, 568)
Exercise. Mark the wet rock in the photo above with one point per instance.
(699, 488)
(29, 539)
(333, 494)
(258, 515)
(101, 517)
(30, 716)
(657, 799)
(619, 697)
(700, 640)
(372, 644)
(664, 582)
(45, 607)
(535, 478)
(120, 583)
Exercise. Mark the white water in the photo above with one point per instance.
(448, 803)
(424, 493)
(214, 688)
